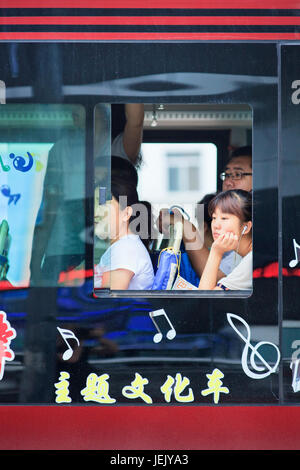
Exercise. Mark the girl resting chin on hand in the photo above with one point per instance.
(231, 226)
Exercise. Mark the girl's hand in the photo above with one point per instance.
(226, 242)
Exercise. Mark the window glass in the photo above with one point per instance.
(155, 232)
(102, 165)
(42, 152)
(150, 347)
(179, 172)
(290, 193)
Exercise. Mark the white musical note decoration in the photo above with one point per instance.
(171, 333)
(262, 371)
(67, 334)
(295, 261)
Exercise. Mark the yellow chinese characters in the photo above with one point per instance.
(215, 385)
(136, 390)
(97, 389)
(179, 387)
(62, 386)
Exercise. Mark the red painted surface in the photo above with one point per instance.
(24, 36)
(142, 428)
(148, 427)
(151, 20)
(267, 4)
(119, 19)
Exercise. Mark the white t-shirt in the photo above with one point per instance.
(127, 253)
(117, 147)
(229, 261)
(241, 277)
(114, 148)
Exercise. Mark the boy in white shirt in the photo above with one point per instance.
(126, 263)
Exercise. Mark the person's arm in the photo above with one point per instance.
(133, 131)
(118, 279)
(223, 243)
(193, 240)
(209, 276)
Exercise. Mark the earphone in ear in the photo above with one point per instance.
(244, 229)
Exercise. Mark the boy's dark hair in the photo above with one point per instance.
(123, 169)
(121, 189)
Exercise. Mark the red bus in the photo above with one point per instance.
(169, 102)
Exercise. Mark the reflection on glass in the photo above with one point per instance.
(126, 263)
(102, 174)
(42, 152)
(191, 173)
(159, 235)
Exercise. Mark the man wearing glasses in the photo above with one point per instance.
(238, 171)
(237, 175)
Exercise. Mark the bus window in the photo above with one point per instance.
(185, 173)
(42, 157)
(155, 227)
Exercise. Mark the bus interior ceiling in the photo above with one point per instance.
(190, 143)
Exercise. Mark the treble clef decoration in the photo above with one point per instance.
(262, 371)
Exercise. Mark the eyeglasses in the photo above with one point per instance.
(236, 175)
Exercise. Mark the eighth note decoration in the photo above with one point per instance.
(171, 333)
(293, 263)
(68, 334)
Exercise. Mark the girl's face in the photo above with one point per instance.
(223, 222)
